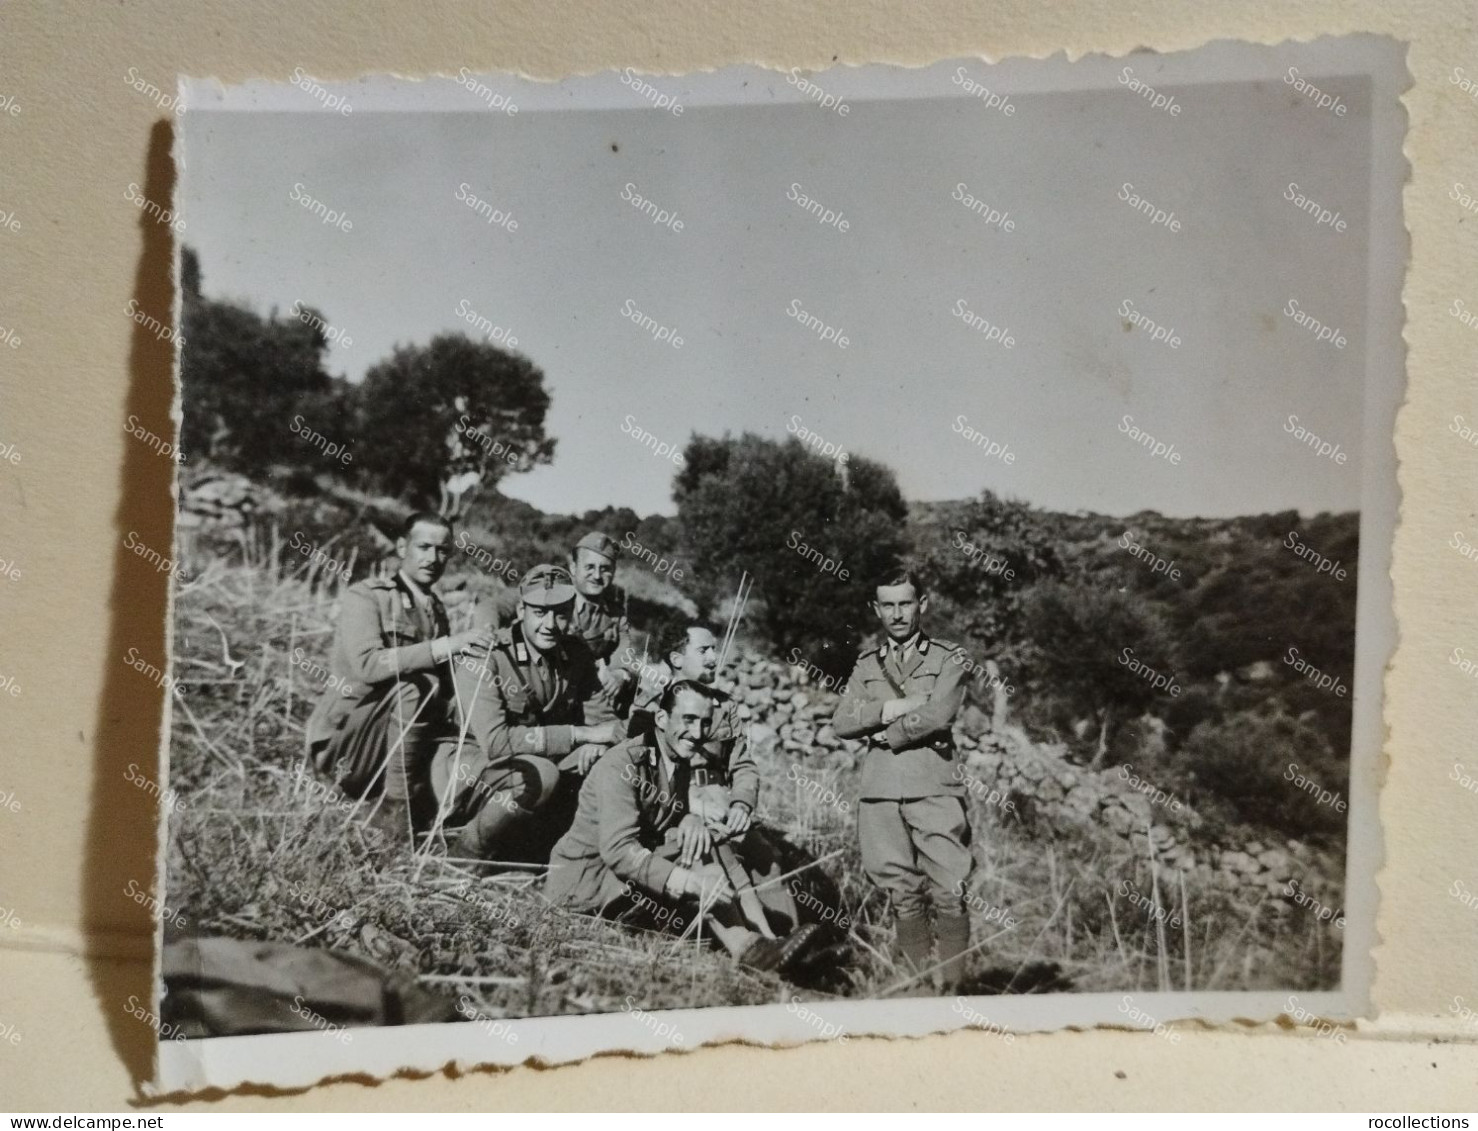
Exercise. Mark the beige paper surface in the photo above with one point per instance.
(75, 832)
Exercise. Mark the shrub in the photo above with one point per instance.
(1247, 759)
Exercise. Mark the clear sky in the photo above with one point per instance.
(891, 282)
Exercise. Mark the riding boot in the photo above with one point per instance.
(423, 806)
(911, 949)
(481, 837)
(392, 820)
(952, 933)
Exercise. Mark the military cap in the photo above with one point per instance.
(546, 585)
(602, 544)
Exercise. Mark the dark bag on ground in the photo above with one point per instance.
(221, 987)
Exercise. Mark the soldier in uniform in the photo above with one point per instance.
(387, 698)
(726, 781)
(625, 851)
(526, 701)
(599, 617)
(912, 822)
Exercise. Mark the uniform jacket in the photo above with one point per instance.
(914, 755)
(383, 633)
(520, 702)
(730, 756)
(602, 624)
(628, 803)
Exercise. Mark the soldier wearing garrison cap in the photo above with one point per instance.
(912, 823)
(599, 617)
(529, 737)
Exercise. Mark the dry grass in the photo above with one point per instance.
(252, 854)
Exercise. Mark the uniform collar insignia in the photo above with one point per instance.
(918, 639)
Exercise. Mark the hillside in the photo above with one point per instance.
(1084, 881)
(1052, 599)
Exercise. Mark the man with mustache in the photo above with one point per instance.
(624, 853)
(388, 695)
(725, 776)
(902, 697)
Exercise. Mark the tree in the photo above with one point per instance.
(773, 509)
(982, 556)
(246, 377)
(437, 422)
(1079, 636)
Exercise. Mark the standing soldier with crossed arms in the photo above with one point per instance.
(902, 697)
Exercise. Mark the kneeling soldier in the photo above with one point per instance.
(388, 697)
(911, 820)
(524, 701)
(626, 845)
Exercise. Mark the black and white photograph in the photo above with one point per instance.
(775, 555)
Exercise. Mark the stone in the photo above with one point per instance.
(973, 721)
(1119, 820)
(763, 737)
(1139, 805)
(1081, 802)
(1032, 770)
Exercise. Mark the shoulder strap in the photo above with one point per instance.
(518, 652)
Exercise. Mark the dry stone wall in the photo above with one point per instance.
(790, 713)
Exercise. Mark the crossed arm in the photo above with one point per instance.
(905, 722)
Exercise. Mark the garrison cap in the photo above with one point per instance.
(547, 585)
(602, 544)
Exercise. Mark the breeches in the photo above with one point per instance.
(918, 851)
(464, 782)
(616, 899)
(386, 740)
